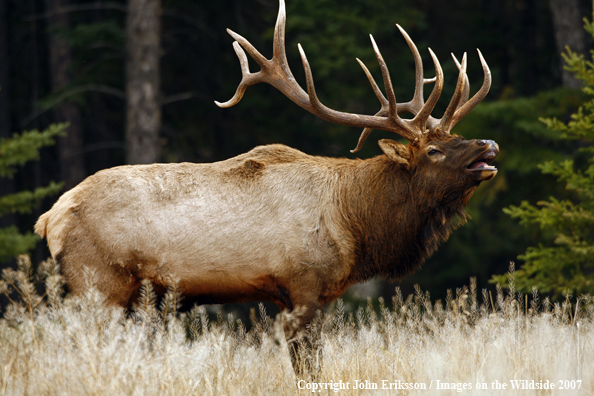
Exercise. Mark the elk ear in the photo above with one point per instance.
(395, 151)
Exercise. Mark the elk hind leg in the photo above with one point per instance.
(114, 281)
(303, 326)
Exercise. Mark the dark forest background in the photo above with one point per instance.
(137, 82)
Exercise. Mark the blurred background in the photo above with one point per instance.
(137, 81)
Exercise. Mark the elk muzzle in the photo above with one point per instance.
(479, 168)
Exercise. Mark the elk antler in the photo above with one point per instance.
(276, 72)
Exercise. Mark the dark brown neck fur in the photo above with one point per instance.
(396, 225)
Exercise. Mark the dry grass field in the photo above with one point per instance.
(76, 346)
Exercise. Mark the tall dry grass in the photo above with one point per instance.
(77, 346)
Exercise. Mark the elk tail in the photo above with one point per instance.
(41, 225)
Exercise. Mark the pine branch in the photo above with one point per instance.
(24, 201)
(22, 148)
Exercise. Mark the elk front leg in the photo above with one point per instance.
(303, 327)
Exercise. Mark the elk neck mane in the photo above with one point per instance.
(395, 223)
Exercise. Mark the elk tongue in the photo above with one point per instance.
(478, 164)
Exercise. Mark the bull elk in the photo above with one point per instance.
(275, 224)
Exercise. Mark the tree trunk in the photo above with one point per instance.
(143, 81)
(569, 31)
(5, 124)
(70, 147)
(6, 184)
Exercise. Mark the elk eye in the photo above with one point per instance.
(434, 152)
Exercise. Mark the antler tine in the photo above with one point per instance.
(420, 120)
(478, 97)
(362, 139)
(383, 111)
(392, 104)
(380, 96)
(445, 124)
(417, 101)
(466, 91)
(278, 45)
(246, 80)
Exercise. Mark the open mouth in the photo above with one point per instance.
(482, 163)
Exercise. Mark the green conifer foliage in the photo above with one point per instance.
(565, 263)
(15, 152)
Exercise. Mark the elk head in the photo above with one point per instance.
(451, 156)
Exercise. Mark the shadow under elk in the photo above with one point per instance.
(275, 224)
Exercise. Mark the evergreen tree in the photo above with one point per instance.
(14, 152)
(567, 264)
